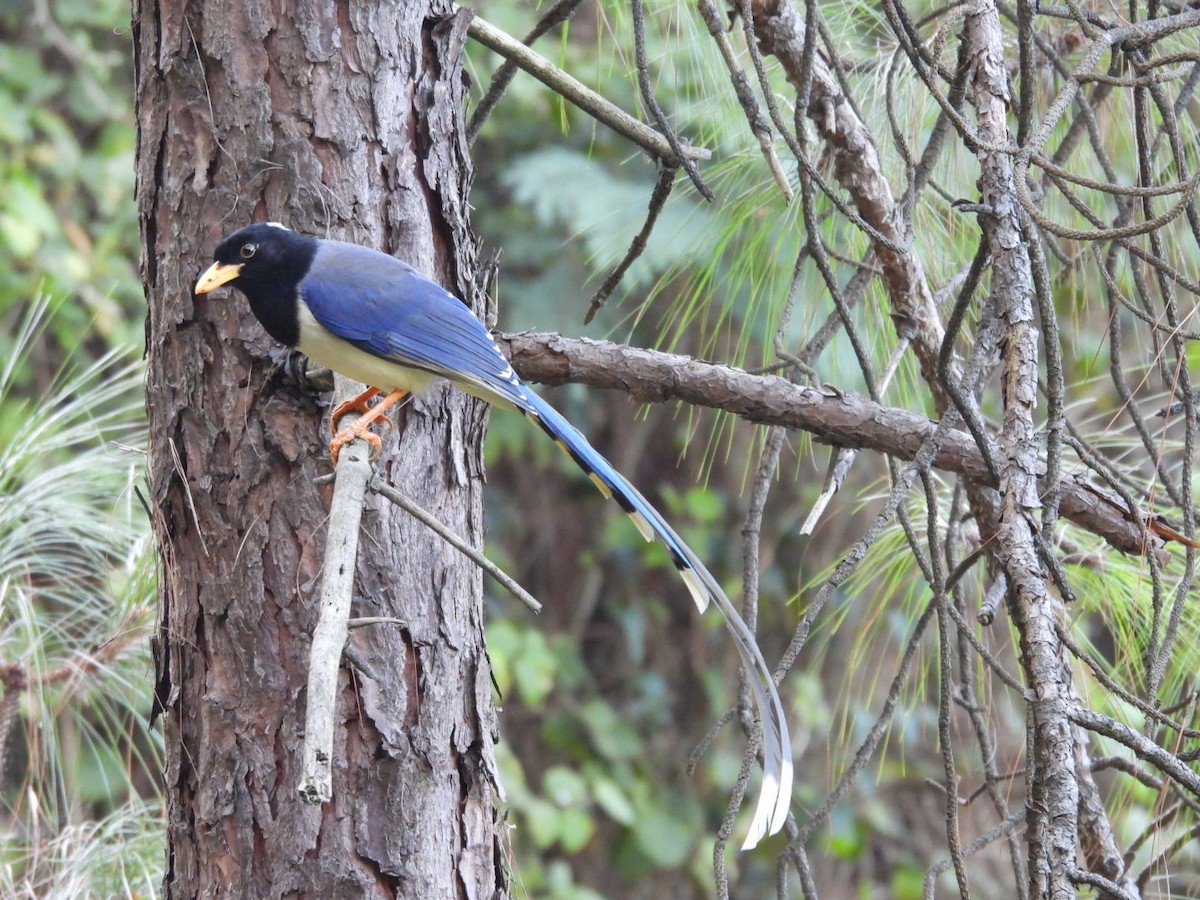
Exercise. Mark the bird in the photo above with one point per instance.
(377, 320)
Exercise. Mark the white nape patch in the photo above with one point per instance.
(699, 592)
(278, 225)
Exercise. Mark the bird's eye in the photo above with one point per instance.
(248, 250)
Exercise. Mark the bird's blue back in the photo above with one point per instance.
(385, 307)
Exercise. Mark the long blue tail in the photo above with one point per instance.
(774, 799)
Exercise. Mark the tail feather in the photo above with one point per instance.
(775, 797)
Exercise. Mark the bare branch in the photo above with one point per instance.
(337, 592)
(580, 94)
(841, 419)
(428, 519)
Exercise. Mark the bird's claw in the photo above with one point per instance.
(358, 404)
(370, 414)
(346, 435)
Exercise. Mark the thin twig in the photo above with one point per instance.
(379, 486)
(759, 126)
(556, 15)
(658, 200)
(638, 9)
(578, 93)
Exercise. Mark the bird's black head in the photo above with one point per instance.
(266, 262)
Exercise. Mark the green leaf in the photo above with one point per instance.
(533, 669)
(564, 787)
(616, 805)
(612, 737)
(663, 837)
(542, 821)
(576, 827)
(503, 641)
(522, 660)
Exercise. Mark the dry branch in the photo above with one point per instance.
(600, 108)
(780, 29)
(429, 520)
(1052, 807)
(837, 419)
(337, 592)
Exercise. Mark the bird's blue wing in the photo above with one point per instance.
(387, 308)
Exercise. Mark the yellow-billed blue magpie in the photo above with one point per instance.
(377, 320)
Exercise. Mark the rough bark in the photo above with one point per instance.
(342, 120)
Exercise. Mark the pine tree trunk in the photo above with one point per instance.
(341, 120)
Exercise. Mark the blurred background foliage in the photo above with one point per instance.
(605, 695)
(67, 220)
(631, 679)
(80, 765)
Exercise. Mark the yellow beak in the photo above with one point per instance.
(216, 275)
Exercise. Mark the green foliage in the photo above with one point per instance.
(118, 854)
(76, 611)
(67, 222)
(563, 201)
(80, 810)
(606, 210)
(522, 660)
(564, 198)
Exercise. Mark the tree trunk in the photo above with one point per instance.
(341, 120)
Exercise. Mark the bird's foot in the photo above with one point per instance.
(346, 435)
(359, 404)
(370, 414)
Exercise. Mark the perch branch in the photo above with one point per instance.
(337, 589)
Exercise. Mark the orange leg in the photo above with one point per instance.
(359, 404)
(359, 428)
